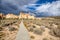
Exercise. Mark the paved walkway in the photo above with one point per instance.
(22, 33)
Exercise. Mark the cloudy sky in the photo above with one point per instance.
(35, 7)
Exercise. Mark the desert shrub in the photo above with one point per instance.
(51, 38)
(12, 29)
(58, 26)
(42, 28)
(38, 31)
(34, 26)
(0, 21)
(5, 24)
(55, 32)
(1, 28)
(17, 25)
(2, 34)
(45, 39)
(57, 23)
(32, 37)
(31, 29)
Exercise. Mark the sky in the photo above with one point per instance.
(34, 7)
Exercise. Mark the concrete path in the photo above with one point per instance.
(22, 33)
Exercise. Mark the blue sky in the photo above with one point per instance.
(35, 7)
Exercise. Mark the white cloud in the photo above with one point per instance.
(51, 8)
(26, 7)
(19, 2)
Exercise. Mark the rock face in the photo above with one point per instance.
(26, 16)
(22, 33)
(11, 16)
(2, 16)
